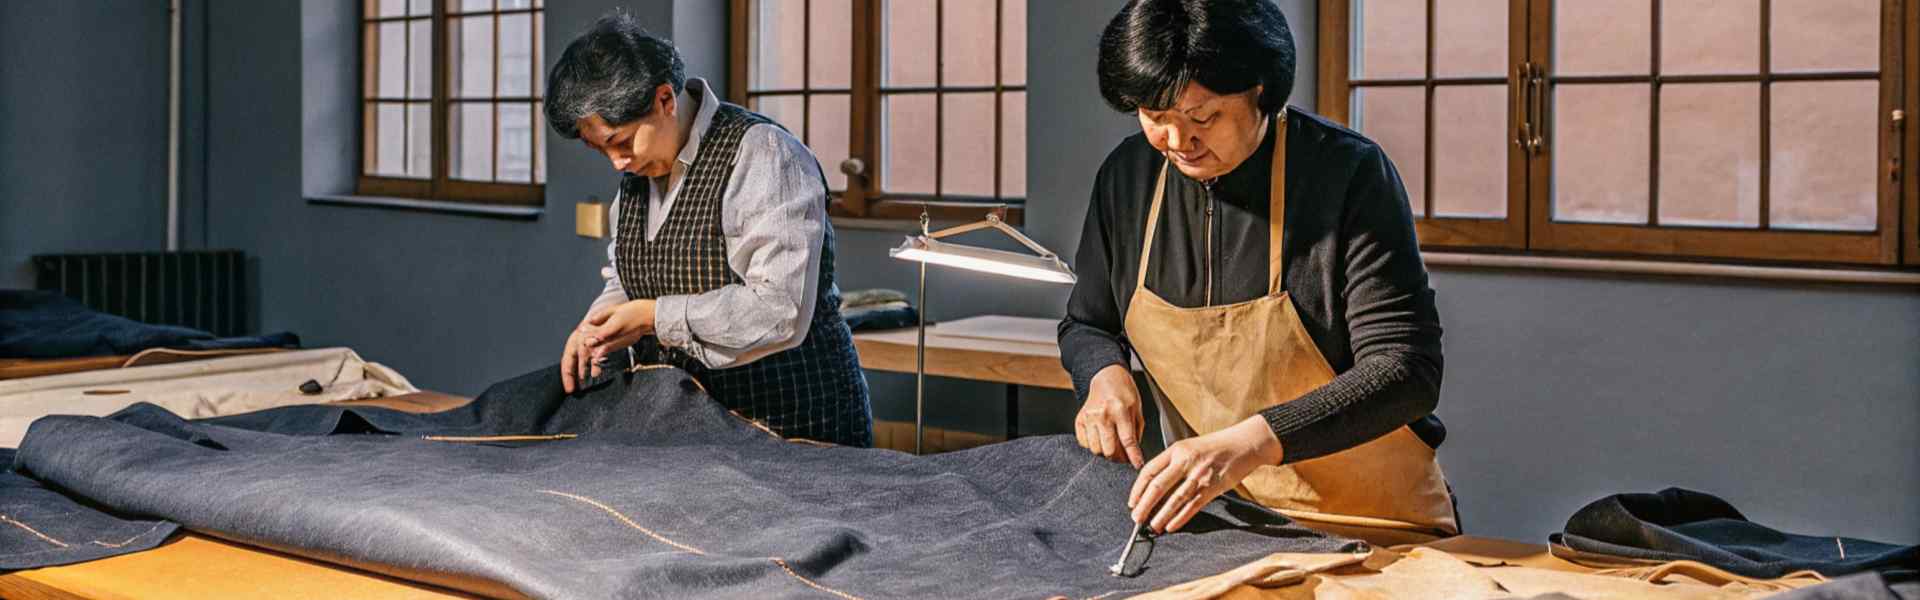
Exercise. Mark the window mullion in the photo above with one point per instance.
(864, 107)
(998, 7)
(1766, 115)
(441, 76)
(939, 99)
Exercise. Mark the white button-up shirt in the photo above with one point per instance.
(773, 215)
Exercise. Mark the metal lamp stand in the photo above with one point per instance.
(920, 356)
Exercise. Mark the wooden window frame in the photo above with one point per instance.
(1335, 102)
(1911, 254)
(865, 196)
(1529, 226)
(440, 185)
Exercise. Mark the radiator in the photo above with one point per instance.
(200, 289)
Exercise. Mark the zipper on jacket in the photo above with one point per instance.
(1207, 270)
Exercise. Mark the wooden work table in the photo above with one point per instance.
(195, 566)
(1010, 350)
(1015, 351)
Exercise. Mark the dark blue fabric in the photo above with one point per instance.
(40, 527)
(1680, 524)
(663, 494)
(876, 319)
(38, 324)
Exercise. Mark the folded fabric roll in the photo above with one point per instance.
(858, 298)
(889, 315)
(38, 324)
(1679, 524)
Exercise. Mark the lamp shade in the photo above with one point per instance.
(925, 249)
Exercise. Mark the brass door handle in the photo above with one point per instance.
(1523, 131)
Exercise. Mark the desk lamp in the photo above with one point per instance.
(927, 248)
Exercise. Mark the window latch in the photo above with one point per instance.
(1899, 124)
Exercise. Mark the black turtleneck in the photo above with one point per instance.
(1353, 270)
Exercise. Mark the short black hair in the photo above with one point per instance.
(1152, 49)
(612, 71)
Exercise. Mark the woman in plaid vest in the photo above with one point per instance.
(722, 257)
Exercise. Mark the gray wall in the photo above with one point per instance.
(452, 301)
(83, 129)
(1798, 402)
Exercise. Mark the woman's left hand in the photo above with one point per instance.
(1194, 471)
(617, 327)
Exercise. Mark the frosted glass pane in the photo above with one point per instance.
(1389, 39)
(1470, 177)
(907, 140)
(1396, 118)
(1600, 152)
(1594, 37)
(1825, 164)
(1710, 154)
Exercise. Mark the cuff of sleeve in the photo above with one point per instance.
(1082, 366)
(1290, 423)
(670, 322)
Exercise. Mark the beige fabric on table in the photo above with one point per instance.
(1490, 552)
(1471, 568)
(205, 388)
(1217, 365)
(1276, 570)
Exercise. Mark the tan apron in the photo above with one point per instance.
(1217, 365)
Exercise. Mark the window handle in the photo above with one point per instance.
(1899, 125)
(853, 167)
(1521, 107)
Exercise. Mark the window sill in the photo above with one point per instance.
(523, 213)
(1674, 269)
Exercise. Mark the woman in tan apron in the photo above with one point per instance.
(1261, 263)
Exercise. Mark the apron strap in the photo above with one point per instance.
(1153, 224)
(1277, 207)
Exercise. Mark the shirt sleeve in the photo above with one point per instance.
(1392, 321)
(1091, 336)
(612, 293)
(774, 219)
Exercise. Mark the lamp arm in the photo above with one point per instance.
(993, 222)
(959, 229)
(1020, 237)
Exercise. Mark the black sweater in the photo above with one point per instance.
(1353, 270)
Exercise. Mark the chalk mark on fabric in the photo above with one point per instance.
(30, 529)
(623, 519)
(777, 561)
(128, 540)
(499, 438)
(776, 435)
(810, 583)
(648, 367)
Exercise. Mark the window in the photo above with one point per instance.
(924, 101)
(1767, 130)
(470, 131)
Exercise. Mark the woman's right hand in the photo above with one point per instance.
(1110, 423)
(576, 363)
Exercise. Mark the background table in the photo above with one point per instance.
(1015, 351)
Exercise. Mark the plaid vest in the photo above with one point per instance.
(813, 391)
